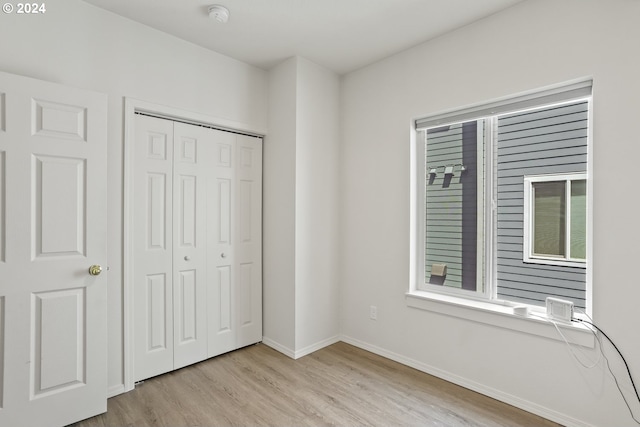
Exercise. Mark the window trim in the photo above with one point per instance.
(556, 94)
(500, 315)
(432, 296)
(527, 246)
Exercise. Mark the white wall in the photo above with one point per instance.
(279, 210)
(82, 46)
(301, 210)
(318, 121)
(531, 45)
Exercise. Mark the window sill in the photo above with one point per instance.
(500, 316)
(554, 261)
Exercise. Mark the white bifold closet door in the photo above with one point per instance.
(196, 244)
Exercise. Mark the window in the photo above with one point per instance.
(555, 219)
(501, 196)
(454, 199)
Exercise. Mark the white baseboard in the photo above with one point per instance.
(315, 347)
(471, 385)
(296, 354)
(279, 347)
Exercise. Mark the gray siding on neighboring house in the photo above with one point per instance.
(451, 205)
(549, 141)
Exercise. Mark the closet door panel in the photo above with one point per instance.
(248, 250)
(190, 168)
(153, 247)
(220, 234)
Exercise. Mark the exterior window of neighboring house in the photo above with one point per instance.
(502, 199)
(555, 219)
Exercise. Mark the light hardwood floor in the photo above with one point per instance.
(338, 385)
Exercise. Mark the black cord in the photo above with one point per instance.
(615, 379)
(621, 356)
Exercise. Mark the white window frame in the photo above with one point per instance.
(484, 290)
(487, 296)
(528, 256)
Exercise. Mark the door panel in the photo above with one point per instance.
(153, 248)
(248, 251)
(58, 212)
(52, 119)
(156, 311)
(188, 219)
(220, 235)
(52, 228)
(57, 326)
(3, 180)
(245, 285)
(187, 147)
(2, 111)
(222, 204)
(189, 259)
(245, 202)
(222, 307)
(188, 308)
(157, 206)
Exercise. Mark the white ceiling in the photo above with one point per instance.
(342, 35)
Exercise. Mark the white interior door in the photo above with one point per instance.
(52, 228)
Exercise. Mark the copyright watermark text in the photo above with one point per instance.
(24, 8)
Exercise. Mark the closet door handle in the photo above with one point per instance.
(187, 258)
(223, 255)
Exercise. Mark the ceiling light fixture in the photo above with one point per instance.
(219, 13)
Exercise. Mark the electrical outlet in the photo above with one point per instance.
(373, 312)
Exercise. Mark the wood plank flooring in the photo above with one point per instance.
(339, 385)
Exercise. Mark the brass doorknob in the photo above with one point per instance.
(95, 270)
